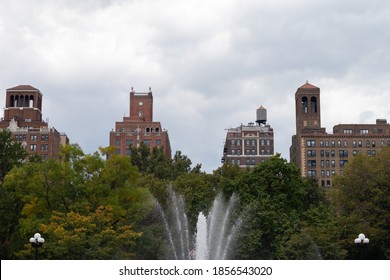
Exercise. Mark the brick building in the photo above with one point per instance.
(139, 127)
(23, 117)
(248, 145)
(321, 155)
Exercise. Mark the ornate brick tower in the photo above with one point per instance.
(139, 127)
(23, 117)
(308, 109)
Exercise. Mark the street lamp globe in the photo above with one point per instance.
(360, 241)
(36, 242)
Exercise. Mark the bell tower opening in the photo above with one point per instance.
(307, 109)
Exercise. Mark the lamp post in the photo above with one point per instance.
(360, 241)
(37, 242)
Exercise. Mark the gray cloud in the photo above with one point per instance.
(210, 64)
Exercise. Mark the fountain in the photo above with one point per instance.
(215, 234)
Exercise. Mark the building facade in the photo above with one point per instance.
(23, 117)
(139, 127)
(321, 155)
(248, 145)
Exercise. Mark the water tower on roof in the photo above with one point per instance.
(261, 116)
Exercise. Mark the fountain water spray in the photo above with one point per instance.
(215, 233)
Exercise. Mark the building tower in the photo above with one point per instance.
(139, 127)
(321, 155)
(23, 117)
(248, 145)
(308, 109)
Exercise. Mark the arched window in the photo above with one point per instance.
(313, 103)
(12, 101)
(31, 105)
(304, 104)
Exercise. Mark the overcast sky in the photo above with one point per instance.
(210, 64)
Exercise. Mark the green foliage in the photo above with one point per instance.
(361, 198)
(158, 164)
(76, 186)
(11, 153)
(81, 237)
(282, 210)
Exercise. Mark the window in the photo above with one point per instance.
(311, 143)
(311, 173)
(332, 143)
(311, 163)
(345, 143)
(326, 143)
(322, 163)
(232, 141)
(129, 142)
(44, 137)
(343, 162)
(343, 153)
(262, 142)
(117, 142)
(117, 151)
(304, 104)
(363, 131)
(360, 144)
(339, 143)
(253, 142)
(158, 142)
(33, 137)
(368, 143)
(327, 173)
(347, 131)
(354, 143)
(333, 163)
(322, 153)
(373, 143)
(332, 153)
(311, 153)
(33, 147)
(253, 151)
(321, 143)
(268, 142)
(44, 147)
(313, 102)
(322, 173)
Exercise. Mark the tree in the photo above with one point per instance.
(158, 164)
(84, 237)
(79, 184)
(277, 202)
(361, 197)
(11, 153)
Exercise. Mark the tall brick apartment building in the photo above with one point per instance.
(139, 127)
(322, 155)
(248, 145)
(23, 117)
